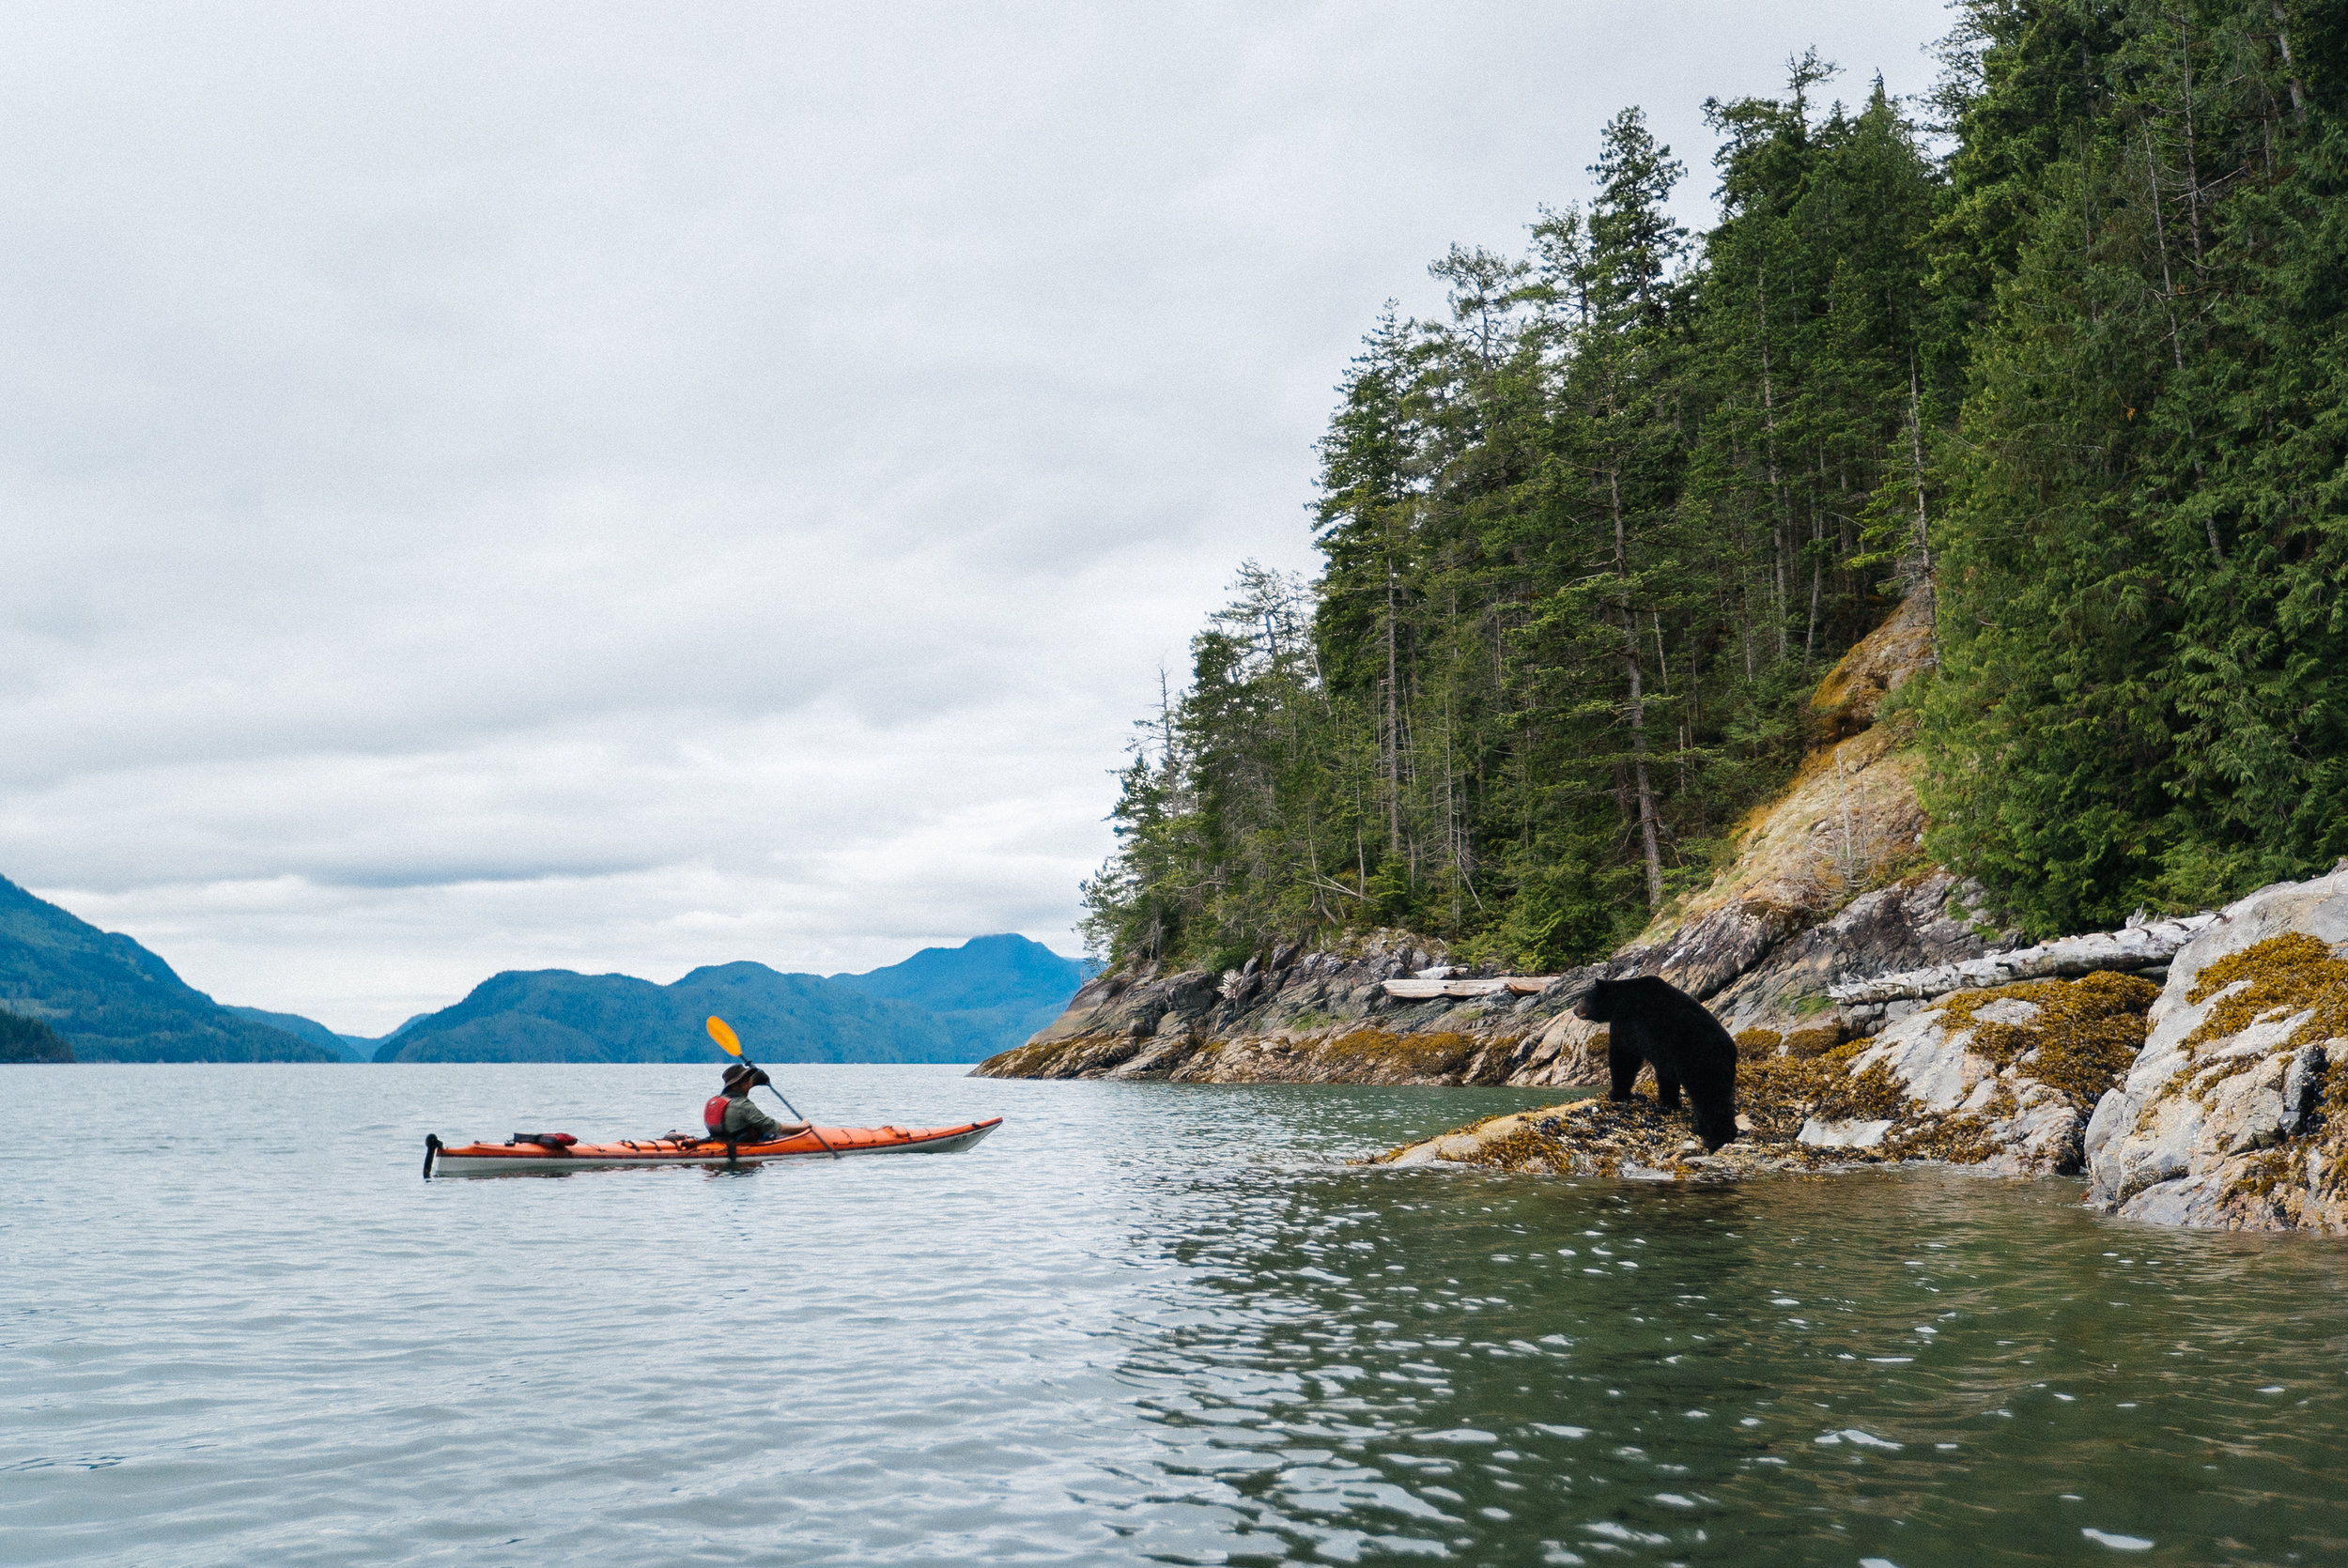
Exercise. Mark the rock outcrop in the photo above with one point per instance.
(1293, 1018)
(2001, 1079)
(2235, 1113)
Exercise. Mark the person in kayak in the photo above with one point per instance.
(732, 1116)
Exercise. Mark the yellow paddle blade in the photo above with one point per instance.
(719, 1032)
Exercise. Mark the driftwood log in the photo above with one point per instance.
(1515, 985)
(1867, 1004)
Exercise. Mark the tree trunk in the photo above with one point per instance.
(2176, 341)
(1923, 537)
(1394, 730)
(1777, 495)
(1631, 674)
(2283, 41)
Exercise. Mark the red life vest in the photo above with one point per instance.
(714, 1114)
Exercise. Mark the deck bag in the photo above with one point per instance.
(553, 1143)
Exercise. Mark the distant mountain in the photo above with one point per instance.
(366, 1045)
(115, 1000)
(317, 1033)
(112, 1000)
(991, 993)
(554, 1015)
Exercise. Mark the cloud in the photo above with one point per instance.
(489, 486)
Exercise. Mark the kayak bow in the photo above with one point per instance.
(814, 1143)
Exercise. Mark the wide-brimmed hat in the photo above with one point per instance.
(735, 1073)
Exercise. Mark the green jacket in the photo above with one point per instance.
(747, 1122)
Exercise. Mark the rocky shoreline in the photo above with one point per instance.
(2217, 1098)
(2004, 1078)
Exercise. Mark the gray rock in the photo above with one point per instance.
(2032, 1127)
(1910, 924)
(2227, 1133)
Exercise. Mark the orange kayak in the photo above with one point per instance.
(508, 1158)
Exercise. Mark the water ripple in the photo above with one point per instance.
(1143, 1323)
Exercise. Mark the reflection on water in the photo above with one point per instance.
(1141, 1323)
(1925, 1369)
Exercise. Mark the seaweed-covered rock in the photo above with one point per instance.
(2005, 1078)
(2000, 1079)
(2235, 1113)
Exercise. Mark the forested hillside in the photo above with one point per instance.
(110, 1000)
(942, 1004)
(2061, 346)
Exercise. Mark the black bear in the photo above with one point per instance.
(1650, 1020)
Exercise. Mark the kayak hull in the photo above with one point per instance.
(469, 1160)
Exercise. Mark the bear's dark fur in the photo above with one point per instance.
(1649, 1020)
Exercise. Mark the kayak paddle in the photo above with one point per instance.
(723, 1034)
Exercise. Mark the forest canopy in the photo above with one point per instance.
(2061, 345)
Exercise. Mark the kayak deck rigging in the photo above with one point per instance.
(816, 1142)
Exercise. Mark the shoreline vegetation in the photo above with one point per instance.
(29, 1039)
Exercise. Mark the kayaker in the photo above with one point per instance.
(741, 1121)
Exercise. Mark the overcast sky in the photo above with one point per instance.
(625, 488)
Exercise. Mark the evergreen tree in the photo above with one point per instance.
(1589, 540)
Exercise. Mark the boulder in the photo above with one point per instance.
(2235, 1113)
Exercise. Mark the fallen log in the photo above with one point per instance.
(1422, 990)
(2136, 948)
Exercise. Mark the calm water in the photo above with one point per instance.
(1142, 1323)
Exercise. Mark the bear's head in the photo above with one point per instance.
(1598, 1003)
